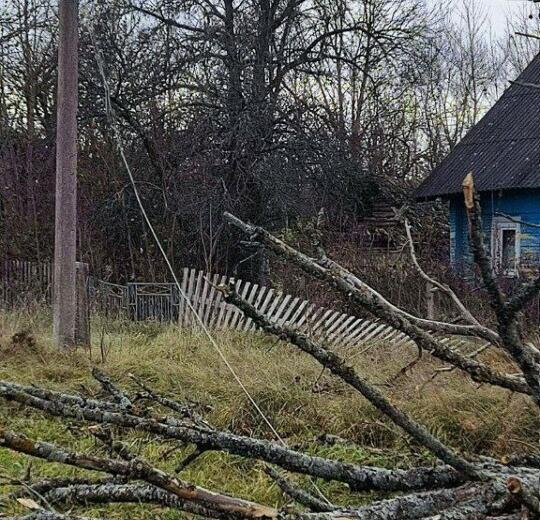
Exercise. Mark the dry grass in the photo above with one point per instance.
(289, 387)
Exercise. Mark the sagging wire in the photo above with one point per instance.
(111, 119)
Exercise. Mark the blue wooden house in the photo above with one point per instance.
(503, 152)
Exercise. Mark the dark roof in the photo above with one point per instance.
(502, 150)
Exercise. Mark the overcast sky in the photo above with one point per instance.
(498, 10)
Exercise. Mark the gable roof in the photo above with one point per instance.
(502, 150)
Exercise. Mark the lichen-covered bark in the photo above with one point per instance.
(365, 296)
(120, 397)
(84, 494)
(420, 505)
(136, 469)
(337, 366)
(136, 480)
(50, 515)
(358, 477)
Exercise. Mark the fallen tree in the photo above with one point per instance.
(459, 486)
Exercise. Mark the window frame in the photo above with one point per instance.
(498, 226)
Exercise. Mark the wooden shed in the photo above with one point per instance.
(503, 152)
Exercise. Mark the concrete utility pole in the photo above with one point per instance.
(65, 237)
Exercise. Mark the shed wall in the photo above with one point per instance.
(524, 204)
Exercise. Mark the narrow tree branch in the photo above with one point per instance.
(362, 294)
(63, 398)
(526, 84)
(182, 409)
(516, 220)
(464, 312)
(338, 367)
(528, 35)
(167, 21)
(473, 354)
(297, 493)
(192, 457)
(110, 388)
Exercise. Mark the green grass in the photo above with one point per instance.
(288, 386)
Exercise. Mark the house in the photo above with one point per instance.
(503, 152)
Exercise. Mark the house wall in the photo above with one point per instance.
(524, 204)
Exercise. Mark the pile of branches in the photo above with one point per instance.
(459, 486)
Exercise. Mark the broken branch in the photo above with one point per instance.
(338, 367)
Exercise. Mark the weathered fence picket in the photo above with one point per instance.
(20, 280)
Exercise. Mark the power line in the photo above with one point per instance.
(111, 118)
(112, 122)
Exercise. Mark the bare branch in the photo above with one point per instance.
(297, 493)
(516, 220)
(473, 354)
(192, 457)
(362, 294)
(167, 21)
(525, 84)
(465, 313)
(108, 386)
(357, 477)
(180, 408)
(339, 368)
(528, 35)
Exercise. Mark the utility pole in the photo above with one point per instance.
(65, 236)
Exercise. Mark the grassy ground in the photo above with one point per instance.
(301, 402)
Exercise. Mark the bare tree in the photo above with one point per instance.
(462, 79)
(522, 44)
(270, 110)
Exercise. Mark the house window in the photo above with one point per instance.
(505, 250)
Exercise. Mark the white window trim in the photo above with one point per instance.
(497, 226)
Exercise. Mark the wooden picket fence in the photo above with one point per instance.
(22, 281)
(164, 302)
(202, 303)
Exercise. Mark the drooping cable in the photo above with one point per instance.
(111, 118)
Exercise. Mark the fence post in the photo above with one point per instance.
(133, 312)
(82, 318)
